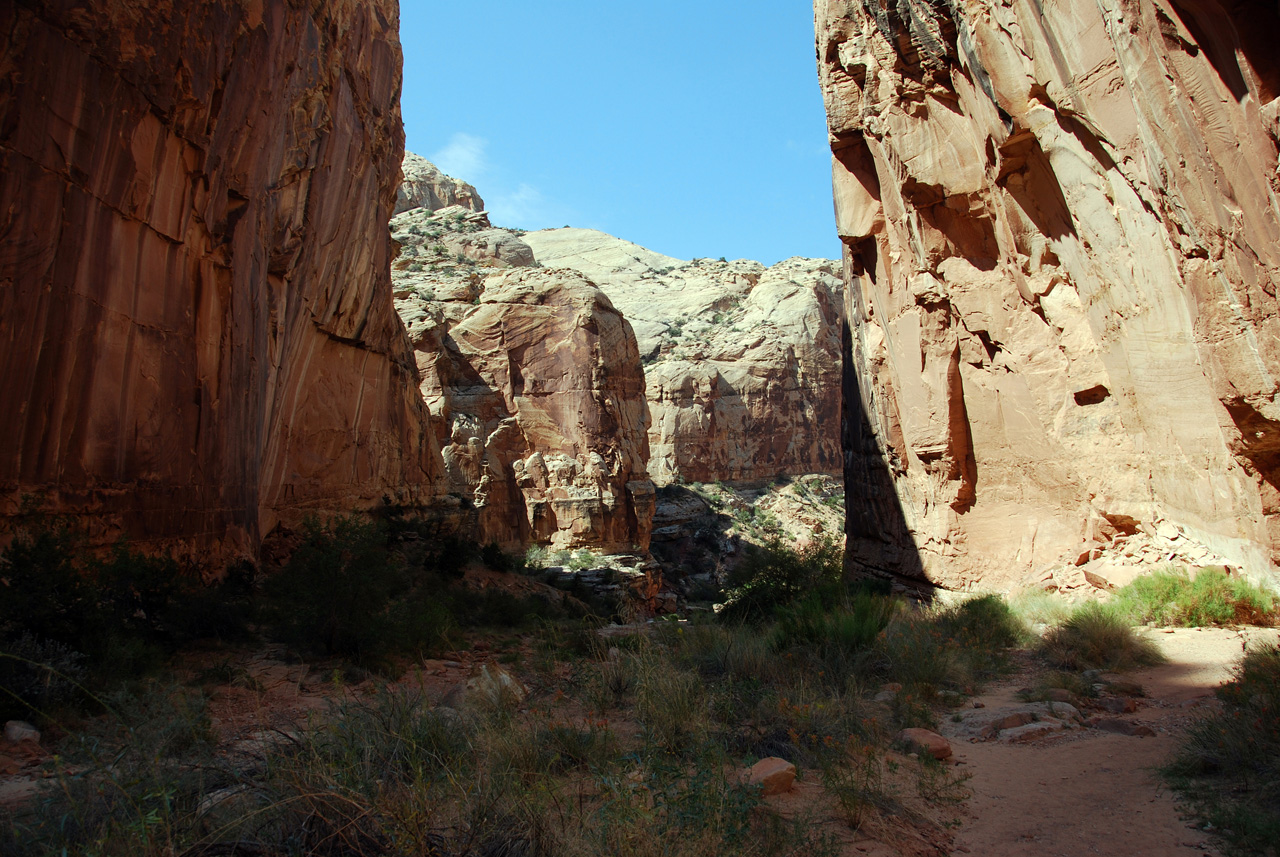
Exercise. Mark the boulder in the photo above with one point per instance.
(924, 741)
(773, 775)
(20, 732)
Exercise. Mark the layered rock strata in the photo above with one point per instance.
(536, 379)
(1062, 250)
(741, 360)
(196, 321)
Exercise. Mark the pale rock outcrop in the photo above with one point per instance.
(538, 379)
(424, 186)
(742, 361)
(1062, 247)
(196, 322)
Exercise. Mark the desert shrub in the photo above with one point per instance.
(152, 761)
(123, 611)
(774, 575)
(1038, 607)
(493, 556)
(1228, 765)
(837, 632)
(1172, 597)
(38, 676)
(1094, 637)
(857, 782)
(334, 595)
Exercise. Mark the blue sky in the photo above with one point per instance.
(692, 127)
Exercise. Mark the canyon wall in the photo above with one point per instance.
(196, 321)
(1062, 250)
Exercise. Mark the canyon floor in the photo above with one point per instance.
(1036, 789)
(1090, 791)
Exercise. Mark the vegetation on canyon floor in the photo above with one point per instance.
(625, 745)
(1228, 765)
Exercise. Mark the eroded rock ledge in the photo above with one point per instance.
(1062, 247)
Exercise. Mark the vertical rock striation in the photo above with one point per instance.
(195, 307)
(1062, 247)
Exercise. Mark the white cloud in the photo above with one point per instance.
(463, 158)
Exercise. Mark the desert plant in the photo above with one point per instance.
(774, 575)
(1228, 765)
(334, 595)
(1094, 637)
(1173, 597)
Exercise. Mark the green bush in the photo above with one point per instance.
(1228, 766)
(334, 595)
(1172, 597)
(772, 576)
(1094, 637)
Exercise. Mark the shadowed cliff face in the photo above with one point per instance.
(1062, 246)
(195, 311)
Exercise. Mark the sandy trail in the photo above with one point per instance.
(1085, 791)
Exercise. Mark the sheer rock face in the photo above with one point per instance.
(1063, 244)
(424, 186)
(538, 379)
(196, 321)
(742, 361)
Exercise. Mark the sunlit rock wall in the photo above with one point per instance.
(196, 324)
(1062, 248)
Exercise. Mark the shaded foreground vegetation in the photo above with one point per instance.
(1228, 767)
(628, 745)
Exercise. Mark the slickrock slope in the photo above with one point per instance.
(538, 380)
(196, 324)
(1063, 242)
(741, 361)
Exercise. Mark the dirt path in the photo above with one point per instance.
(1083, 791)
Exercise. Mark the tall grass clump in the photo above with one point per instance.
(1173, 597)
(1096, 637)
(1228, 766)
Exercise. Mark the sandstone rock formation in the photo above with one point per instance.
(741, 361)
(1062, 247)
(424, 186)
(537, 381)
(195, 320)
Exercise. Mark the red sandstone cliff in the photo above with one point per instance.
(1063, 245)
(196, 325)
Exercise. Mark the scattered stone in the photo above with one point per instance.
(18, 732)
(1013, 721)
(773, 775)
(924, 741)
(493, 685)
(1120, 727)
(1124, 687)
(1118, 705)
(1059, 694)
